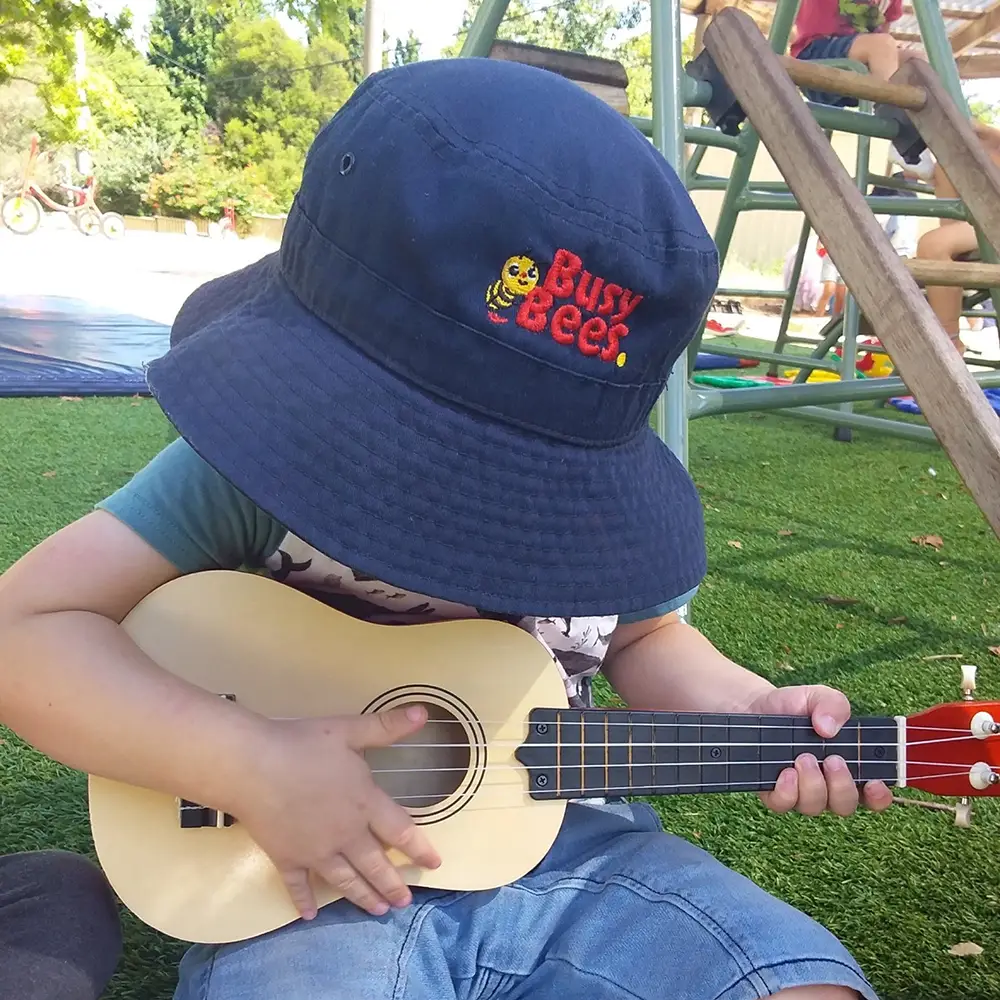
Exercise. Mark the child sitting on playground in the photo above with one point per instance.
(952, 239)
(850, 29)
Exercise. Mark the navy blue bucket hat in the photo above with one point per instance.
(444, 376)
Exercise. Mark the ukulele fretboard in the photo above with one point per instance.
(576, 753)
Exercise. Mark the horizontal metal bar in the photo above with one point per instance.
(938, 208)
(900, 184)
(704, 402)
(696, 93)
(792, 360)
(842, 418)
(752, 293)
(854, 122)
(699, 135)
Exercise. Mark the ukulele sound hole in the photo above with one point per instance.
(426, 767)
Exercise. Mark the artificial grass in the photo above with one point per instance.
(898, 888)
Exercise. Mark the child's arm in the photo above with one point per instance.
(73, 684)
(663, 664)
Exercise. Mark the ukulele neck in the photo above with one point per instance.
(581, 753)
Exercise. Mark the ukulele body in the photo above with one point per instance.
(286, 655)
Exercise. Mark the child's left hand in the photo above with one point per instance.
(807, 787)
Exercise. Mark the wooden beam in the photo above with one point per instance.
(950, 14)
(985, 67)
(951, 400)
(956, 147)
(955, 273)
(845, 81)
(969, 34)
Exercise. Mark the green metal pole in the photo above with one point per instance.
(934, 35)
(483, 31)
(781, 24)
(668, 137)
(793, 284)
(852, 315)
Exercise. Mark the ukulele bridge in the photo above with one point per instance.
(192, 816)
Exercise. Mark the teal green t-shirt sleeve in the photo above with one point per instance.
(659, 610)
(192, 516)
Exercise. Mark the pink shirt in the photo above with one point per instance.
(819, 18)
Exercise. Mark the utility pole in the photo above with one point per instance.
(374, 14)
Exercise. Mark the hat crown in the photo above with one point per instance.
(504, 240)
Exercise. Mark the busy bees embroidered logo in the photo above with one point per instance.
(518, 277)
(579, 309)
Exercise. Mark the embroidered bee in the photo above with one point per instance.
(519, 276)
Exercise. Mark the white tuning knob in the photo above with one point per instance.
(981, 776)
(983, 726)
(968, 681)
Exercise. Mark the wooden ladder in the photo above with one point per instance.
(884, 285)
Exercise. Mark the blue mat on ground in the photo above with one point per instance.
(909, 405)
(57, 346)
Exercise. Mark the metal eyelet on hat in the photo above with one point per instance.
(346, 164)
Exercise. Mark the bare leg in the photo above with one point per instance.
(829, 288)
(840, 297)
(947, 243)
(879, 52)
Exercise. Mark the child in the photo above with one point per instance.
(952, 239)
(60, 936)
(433, 402)
(849, 29)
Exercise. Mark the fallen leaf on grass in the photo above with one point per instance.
(964, 948)
(735, 544)
(995, 650)
(785, 533)
(898, 620)
(49, 475)
(934, 541)
(839, 625)
(837, 601)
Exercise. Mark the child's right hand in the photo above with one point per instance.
(313, 806)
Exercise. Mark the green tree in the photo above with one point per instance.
(984, 111)
(583, 26)
(636, 55)
(182, 39)
(271, 96)
(137, 125)
(37, 47)
(343, 21)
(407, 51)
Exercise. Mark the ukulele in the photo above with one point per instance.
(490, 773)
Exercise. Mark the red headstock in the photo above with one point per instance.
(954, 749)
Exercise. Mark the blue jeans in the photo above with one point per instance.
(829, 47)
(618, 910)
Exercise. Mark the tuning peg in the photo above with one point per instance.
(968, 681)
(981, 776)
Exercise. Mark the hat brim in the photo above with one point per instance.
(396, 484)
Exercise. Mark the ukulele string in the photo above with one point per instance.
(611, 721)
(751, 786)
(603, 765)
(562, 744)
